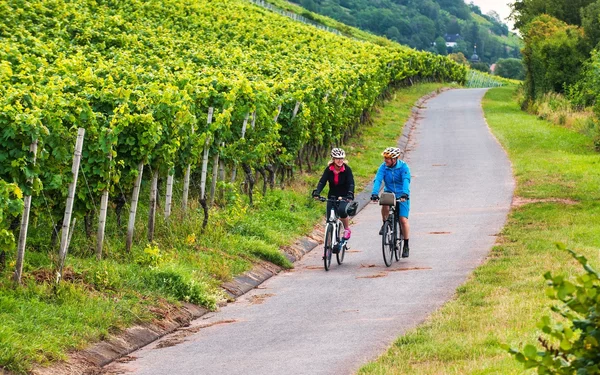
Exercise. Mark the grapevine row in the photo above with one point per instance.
(141, 78)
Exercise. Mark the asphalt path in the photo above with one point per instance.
(308, 321)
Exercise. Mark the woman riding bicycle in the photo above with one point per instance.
(341, 185)
(395, 175)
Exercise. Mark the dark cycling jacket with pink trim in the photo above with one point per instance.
(340, 185)
(396, 179)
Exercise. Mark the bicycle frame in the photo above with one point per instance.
(395, 213)
(392, 239)
(333, 241)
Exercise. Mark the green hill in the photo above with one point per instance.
(421, 23)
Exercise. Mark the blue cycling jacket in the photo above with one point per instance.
(396, 179)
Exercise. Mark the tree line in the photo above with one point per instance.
(561, 53)
(422, 24)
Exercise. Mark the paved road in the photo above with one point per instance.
(308, 321)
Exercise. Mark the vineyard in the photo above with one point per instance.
(171, 89)
(175, 107)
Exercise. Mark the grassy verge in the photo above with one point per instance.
(41, 323)
(558, 175)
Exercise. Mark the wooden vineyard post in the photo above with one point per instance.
(222, 166)
(102, 219)
(24, 224)
(71, 232)
(169, 194)
(152, 208)
(215, 175)
(296, 108)
(62, 254)
(278, 113)
(186, 184)
(135, 195)
(204, 170)
(244, 125)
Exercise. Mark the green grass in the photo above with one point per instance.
(41, 324)
(504, 299)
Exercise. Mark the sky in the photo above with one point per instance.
(500, 6)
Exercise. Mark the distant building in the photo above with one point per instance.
(451, 39)
(474, 57)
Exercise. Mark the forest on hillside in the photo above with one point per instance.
(424, 24)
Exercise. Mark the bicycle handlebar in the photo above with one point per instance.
(397, 199)
(323, 199)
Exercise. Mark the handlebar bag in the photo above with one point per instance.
(387, 199)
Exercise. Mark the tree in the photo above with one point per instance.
(474, 8)
(424, 32)
(472, 33)
(453, 27)
(310, 5)
(461, 47)
(510, 68)
(393, 33)
(429, 9)
(585, 92)
(459, 58)
(590, 21)
(494, 16)
(524, 11)
(552, 55)
(481, 66)
(440, 46)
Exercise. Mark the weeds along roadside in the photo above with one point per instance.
(556, 200)
(42, 323)
(558, 109)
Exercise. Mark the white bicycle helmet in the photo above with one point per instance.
(391, 152)
(338, 153)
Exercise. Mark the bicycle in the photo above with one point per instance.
(392, 239)
(334, 241)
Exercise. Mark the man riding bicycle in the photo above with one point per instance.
(395, 175)
(341, 185)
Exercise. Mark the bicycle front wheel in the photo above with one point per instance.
(387, 243)
(399, 240)
(328, 247)
(340, 254)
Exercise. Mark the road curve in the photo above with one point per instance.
(308, 321)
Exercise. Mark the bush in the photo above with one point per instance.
(510, 68)
(150, 257)
(552, 55)
(481, 66)
(593, 125)
(574, 347)
(586, 91)
(174, 285)
(11, 205)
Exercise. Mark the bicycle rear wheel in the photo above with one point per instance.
(328, 247)
(387, 243)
